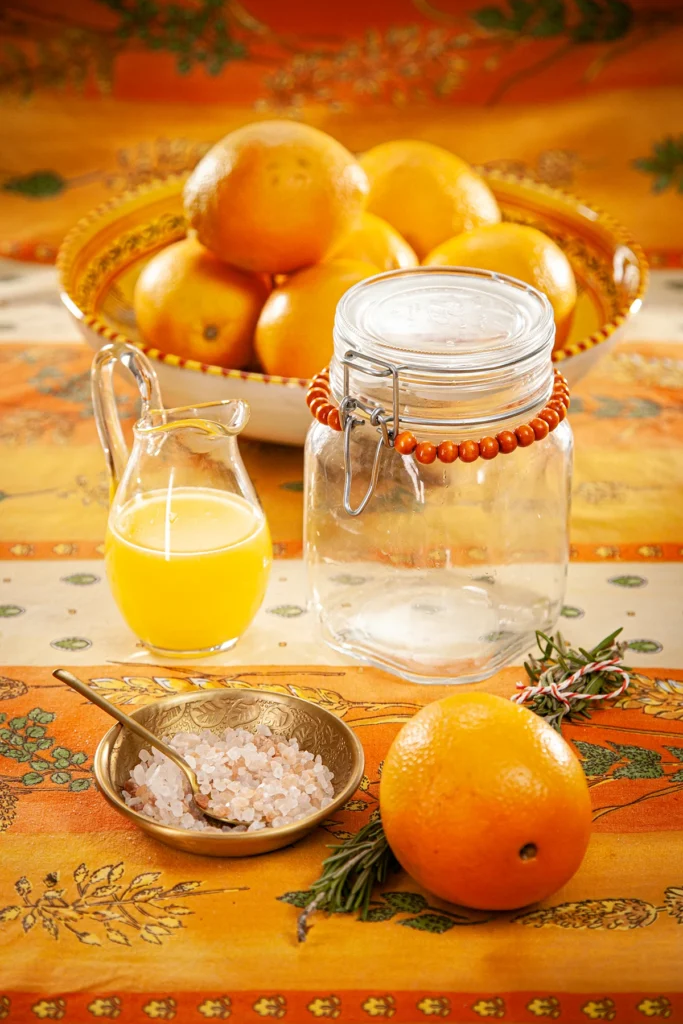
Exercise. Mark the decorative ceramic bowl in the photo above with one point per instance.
(100, 260)
(316, 729)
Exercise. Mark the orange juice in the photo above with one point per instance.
(188, 568)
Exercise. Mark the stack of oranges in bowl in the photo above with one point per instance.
(283, 220)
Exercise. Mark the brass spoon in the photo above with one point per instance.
(149, 738)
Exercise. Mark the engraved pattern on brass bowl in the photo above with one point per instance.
(315, 728)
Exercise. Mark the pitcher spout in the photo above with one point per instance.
(230, 416)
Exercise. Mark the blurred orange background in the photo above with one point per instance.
(101, 95)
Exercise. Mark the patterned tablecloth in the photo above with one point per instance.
(97, 921)
(100, 921)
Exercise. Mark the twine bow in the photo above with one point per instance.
(566, 696)
(564, 681)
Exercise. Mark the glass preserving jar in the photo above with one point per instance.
(434, 569)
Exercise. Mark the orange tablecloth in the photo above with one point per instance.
(107, 93)
(222, 940)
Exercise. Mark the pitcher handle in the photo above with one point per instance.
(104, 402)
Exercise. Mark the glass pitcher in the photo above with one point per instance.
(188, 550)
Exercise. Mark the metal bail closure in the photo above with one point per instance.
(378, 418)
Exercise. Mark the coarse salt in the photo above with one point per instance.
(253, 778)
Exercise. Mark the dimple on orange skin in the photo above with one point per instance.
(468, 784)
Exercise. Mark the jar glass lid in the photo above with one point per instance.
(452, 319)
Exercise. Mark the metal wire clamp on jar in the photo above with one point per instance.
(434, 548)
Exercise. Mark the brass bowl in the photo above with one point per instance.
(316, 729)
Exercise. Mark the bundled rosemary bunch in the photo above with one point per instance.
(565, 681)
(350, 874)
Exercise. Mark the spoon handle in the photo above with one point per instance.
(124, 719)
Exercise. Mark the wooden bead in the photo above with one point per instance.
(334, 419)
(405, 443)
(425, 453)
(525, 435)
(447, 451)
(540, 428)
(317, 405)
(323, 413)
(488, 448)
(550, 416)
(316, 393)
(507, 441)
(559, 409)
(468, 451)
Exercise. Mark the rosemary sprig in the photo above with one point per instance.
(558, 662)
(350, 874)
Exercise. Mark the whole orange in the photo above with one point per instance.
(275, 196)
(522, 252)
(374, 241)
(192, 304)
(484, 804)
(425, 192)
(294, 332)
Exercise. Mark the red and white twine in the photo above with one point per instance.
(565, 695)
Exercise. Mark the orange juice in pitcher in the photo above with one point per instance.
(188, 550)
(193, 542)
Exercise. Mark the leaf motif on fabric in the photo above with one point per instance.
(411, 902)
(149, 877)
(382, 912)
(595, 760)
(611, 914)
(642, 763)
(436, 923)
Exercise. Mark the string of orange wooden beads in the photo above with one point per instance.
(405, 443)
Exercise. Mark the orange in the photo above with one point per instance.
(191, 304)
(426, 193)
(484, 804)
(375, 241)
(275, 196)
(294, 332)
(521, 252)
